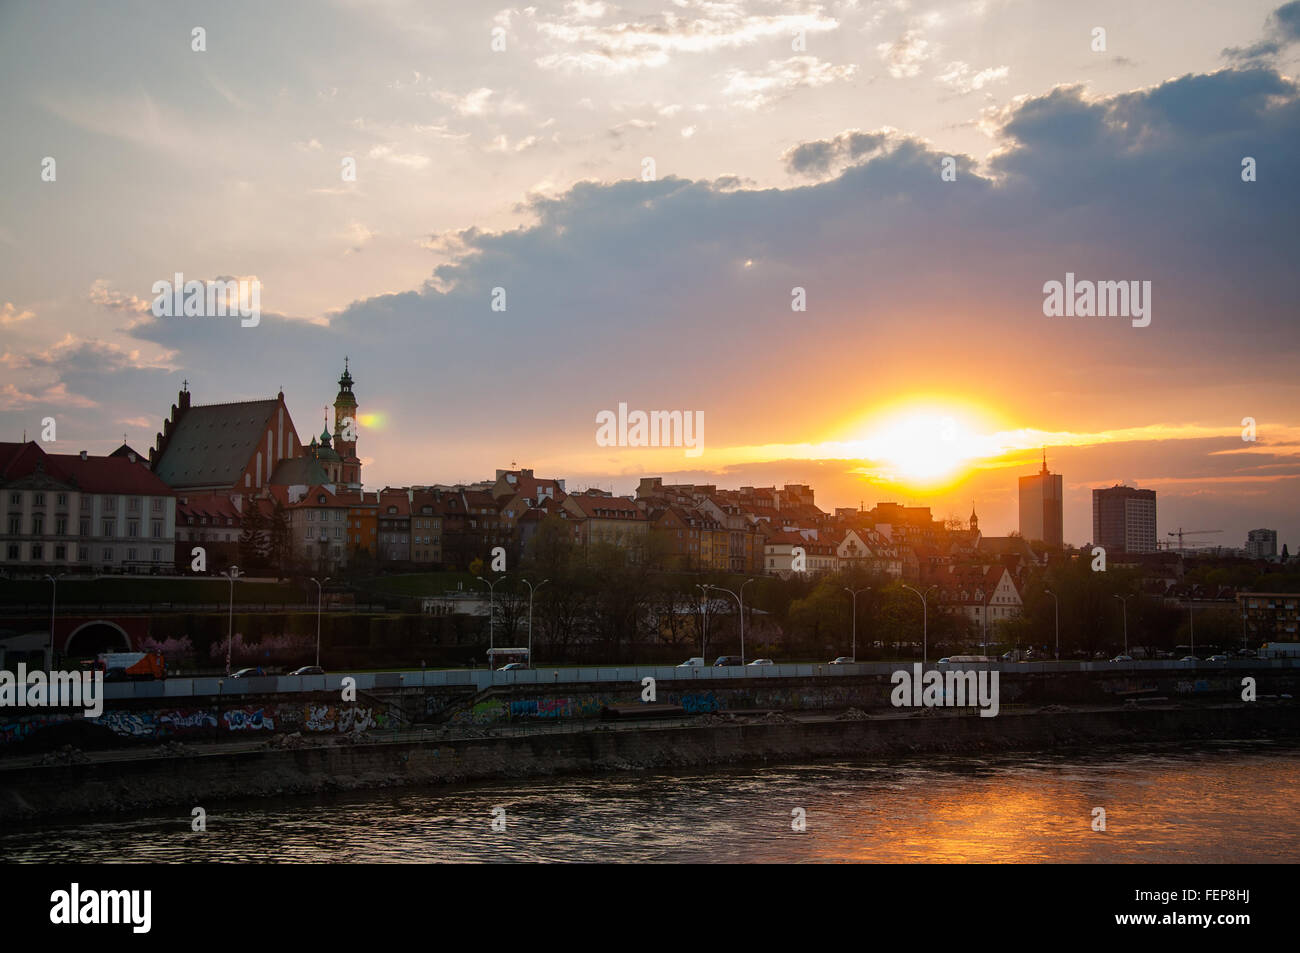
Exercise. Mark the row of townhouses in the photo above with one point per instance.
(222, 473)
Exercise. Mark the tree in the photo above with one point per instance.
(279, 550)
(253, 537)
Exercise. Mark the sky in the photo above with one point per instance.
(648, 184)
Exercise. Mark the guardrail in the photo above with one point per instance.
(481, 679)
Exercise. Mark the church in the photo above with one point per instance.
(246, 447)
(232, 465)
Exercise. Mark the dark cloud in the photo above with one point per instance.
(818, 157)
(1281, 29)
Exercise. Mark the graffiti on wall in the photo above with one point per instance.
(248, 719)
(12, 732)
(341, 718)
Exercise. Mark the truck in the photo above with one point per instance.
(1280, 650)
(130, 666)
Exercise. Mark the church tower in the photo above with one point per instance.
(346, 427)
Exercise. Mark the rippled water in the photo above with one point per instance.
(1214, 804)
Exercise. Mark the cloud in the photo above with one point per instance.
(11, 315)
(958, 76)
(781, 78)
(651, 41)
(905, 55)
(816, 158)
(405, 159)
(1281, 29)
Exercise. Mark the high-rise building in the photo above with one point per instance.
(1261, 543)
(1041, 508)
(1124, 519)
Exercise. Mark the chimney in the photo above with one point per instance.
(83, 454)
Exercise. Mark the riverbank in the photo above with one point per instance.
(185, 777)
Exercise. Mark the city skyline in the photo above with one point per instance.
(925, 368)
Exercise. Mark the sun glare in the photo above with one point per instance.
(922, 446)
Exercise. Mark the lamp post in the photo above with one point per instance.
(854, 594)
(741, 603)
(1191, 620)
(492, 613)
(704, 629)
(1124, 602)
(319, 589)
(531, 590)
(232, 574)
(54, 593)
(925, 620)
(1058, 622)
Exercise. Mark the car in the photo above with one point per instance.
(244, 673)
(1246, 653)
(728, 660)
(1217, 658)
(513, 667)
(762, 661)
(308, 670)
(943, 661)
(696, 662)
(842, 660)
(1189, 658)
(1122, 658)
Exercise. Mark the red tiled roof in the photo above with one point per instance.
(92, 475)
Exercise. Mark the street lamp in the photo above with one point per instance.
(1191, 619)
(531, 590)
(492, 612)
(1124, 601)
(54, 592)
(925, 623)
(1058, 622)
(854, 594)
(741, 603)
(232, 574)
(704, 629)
(319, 590)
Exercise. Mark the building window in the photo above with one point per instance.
(110, 503)
(60, 552)
(311, 516)
(157, 504)
(61, 526)
(85, 528)
(86, 503)
(37, 551)
(133, 528)
(15, 526)
(108, 529)
(83, 553)
(38, 499)
(15, 499)
(13, 550)
(157, 555)
(157, 530)
(133, 504)
(62, 499)
(38, 526)
(130, 555)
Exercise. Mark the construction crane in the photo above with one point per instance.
(1180, 533)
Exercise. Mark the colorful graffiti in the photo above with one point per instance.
(322, 718)
(12, 732)
(248, 719)
(586, 706)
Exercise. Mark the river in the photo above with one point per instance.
(1214, 803)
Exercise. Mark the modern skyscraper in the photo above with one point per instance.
(1261, 543)
(1041, 507)
(1124, 519)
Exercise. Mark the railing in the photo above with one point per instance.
(482, 679)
